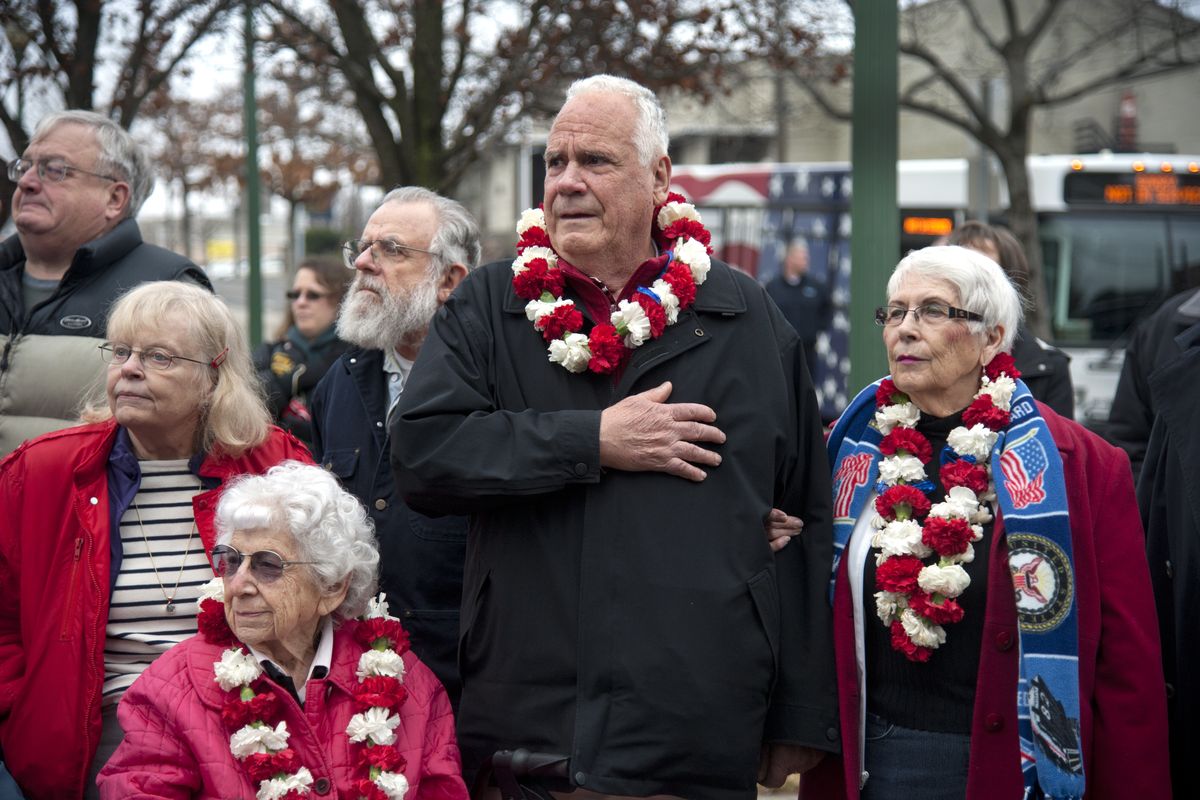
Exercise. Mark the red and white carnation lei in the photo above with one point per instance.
(538, 279)
(252, 706)
(916, 599)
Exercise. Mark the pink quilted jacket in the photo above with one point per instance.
(176, 745)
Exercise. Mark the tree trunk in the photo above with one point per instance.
(186, 222)
(1024, 224)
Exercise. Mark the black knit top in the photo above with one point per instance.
(938, 695)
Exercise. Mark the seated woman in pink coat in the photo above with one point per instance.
(284, 693)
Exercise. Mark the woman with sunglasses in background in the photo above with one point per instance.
(283, 689)
(107, 528)
(306, 344)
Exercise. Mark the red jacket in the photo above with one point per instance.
(176, 744)
(1121, 690)
(54, 594)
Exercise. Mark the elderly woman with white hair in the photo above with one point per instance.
(993, 624)
(284, 692)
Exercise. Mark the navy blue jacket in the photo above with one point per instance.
(421, 558)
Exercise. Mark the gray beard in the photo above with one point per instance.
(390, 322)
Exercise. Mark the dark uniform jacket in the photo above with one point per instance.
(289, 370)
(1169, 497)
(421, 559)
(635, 621)
(1046, 370)
(48, 356)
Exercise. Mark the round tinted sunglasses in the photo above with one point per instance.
(265, 565)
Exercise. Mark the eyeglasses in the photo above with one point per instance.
(931, 313)
(54, 170)
(307, 294)
(266, 565)
(391, 250)
(153, 358)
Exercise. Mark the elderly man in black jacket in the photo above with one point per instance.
(77, 248)
(416, 247)
(621, 415)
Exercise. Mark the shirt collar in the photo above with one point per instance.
(322, 660)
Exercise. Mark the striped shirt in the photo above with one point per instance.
(139, 627)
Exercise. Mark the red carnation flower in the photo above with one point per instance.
(948, 537)
(984, 413)
(607, 349)
(285, 760)
(902, 643)
(964, 473)
(531, 282)
(387, 759)
(1002, 362)
(654, 313)
(374, 628)
(901, 497)
(260, 766)
(295, 794)
(564, 319)
(237, 713)
(938, 613)
(534, 237)
(367, 790)
(679, 277)
(908, 440)
(887, 393)
(899, 574)
(672, 197)
(689, 228)
(380, 690)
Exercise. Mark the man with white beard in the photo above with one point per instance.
(414, 250)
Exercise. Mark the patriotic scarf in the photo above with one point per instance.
(1032, 501)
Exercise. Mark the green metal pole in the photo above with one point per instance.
(875, 220)
(253, 237)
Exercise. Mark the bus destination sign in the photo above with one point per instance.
(1132, 189)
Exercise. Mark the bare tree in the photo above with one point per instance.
(1050, 52)
(436, 84)
(53, 51)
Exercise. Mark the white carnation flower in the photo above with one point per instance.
(377, 607)
(376, 724)
(976, 441)
(900, 538)
(213, 590)
(571, 351)
(887, 606)
(236, 668)
(261, 739)
(380, 662)
(920, 630)
(522, 261)
(675, 211)
(536, 309)
(394, 784)
(949, 581)
(276, 788)
(903, 414)
(531, 218)
(902, 468)
(1000, 389)
(667, 298)
(960, 503)
(695, 255)
(965, 557)
(635, 321)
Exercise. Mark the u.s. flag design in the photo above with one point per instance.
(1024, 466)
(853, 473)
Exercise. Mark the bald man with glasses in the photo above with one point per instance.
(77, 248)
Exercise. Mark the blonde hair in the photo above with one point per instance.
(234, 418)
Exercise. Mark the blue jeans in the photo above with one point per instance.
(905, 764)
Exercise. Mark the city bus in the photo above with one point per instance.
(1119, 233)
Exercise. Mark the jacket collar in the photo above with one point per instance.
(104, 250)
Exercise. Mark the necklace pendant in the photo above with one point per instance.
(170, 608)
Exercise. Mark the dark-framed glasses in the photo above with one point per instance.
(387, 249)
(152, 357)
(307, 294)
(929, 313)
(53, 170)
(266, 566)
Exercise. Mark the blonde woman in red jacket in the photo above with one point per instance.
(106, 528)
(283, 690)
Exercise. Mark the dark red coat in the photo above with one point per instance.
(1122, 699)
(54, 594)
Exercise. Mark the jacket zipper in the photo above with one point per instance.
(7, 348)
(72, 591)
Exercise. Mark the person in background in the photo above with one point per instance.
(804, 301)
(107, 528)
(415, 249)
(993, 619)
(305, 345)
(80, 183)
(1045, 369)
(284, 678)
